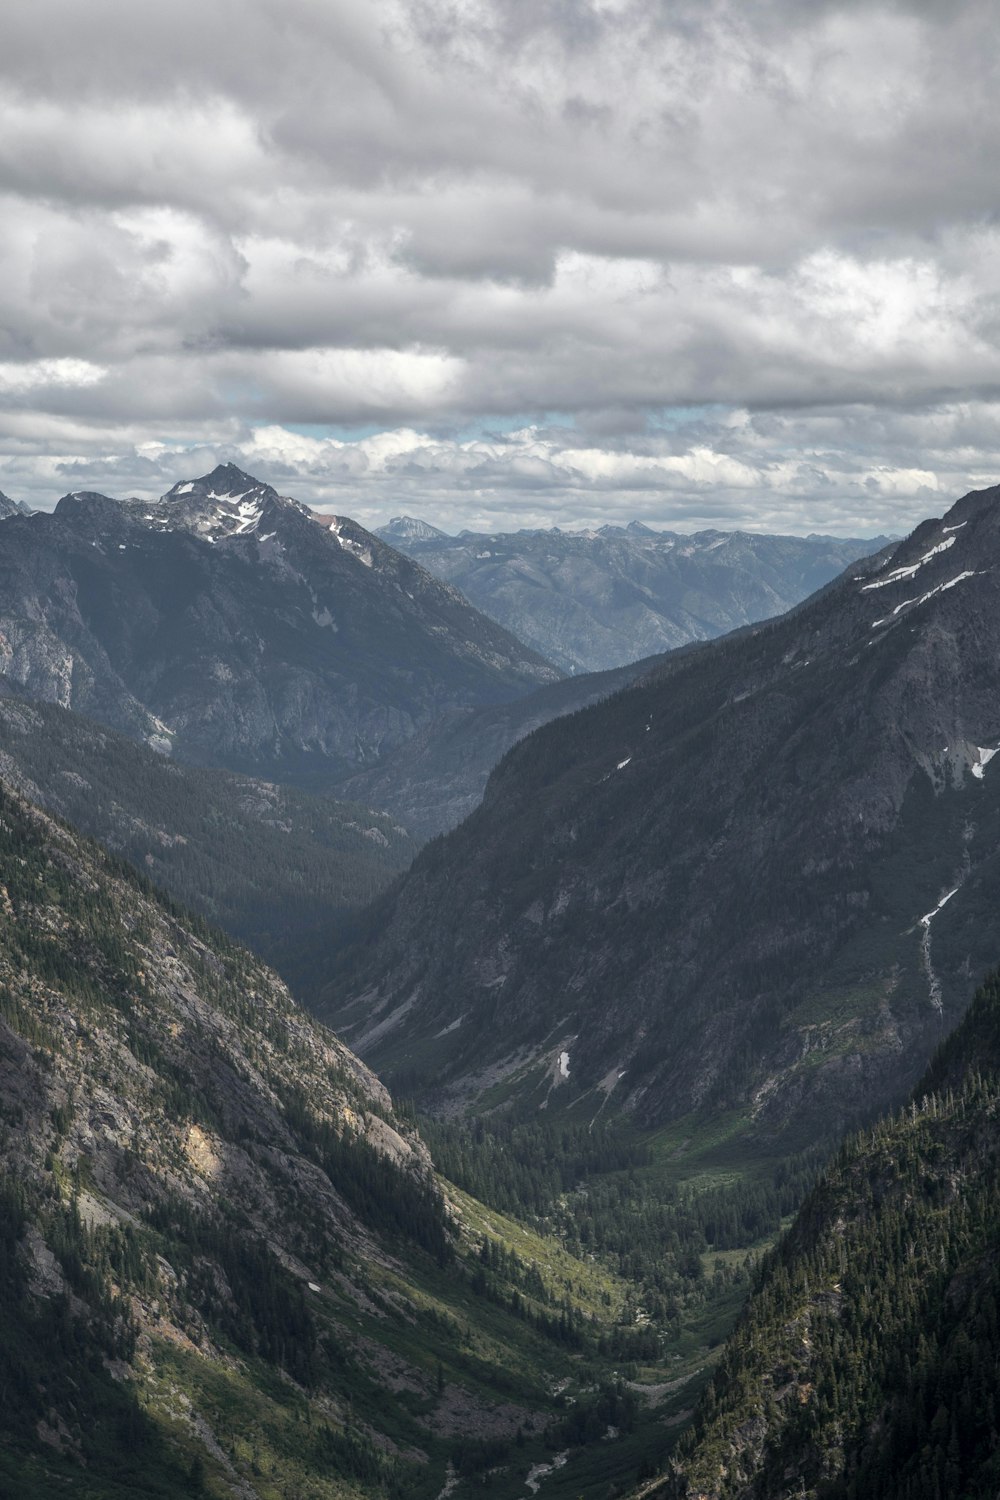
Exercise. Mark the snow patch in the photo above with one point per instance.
(564, 1064)
(184, 489)
(985, 756)
(957, 527)
(623, 763)
(928, 919)
(970, 573)
(900, 573)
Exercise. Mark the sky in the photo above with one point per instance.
(504, 263)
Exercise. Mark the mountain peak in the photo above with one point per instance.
(227, 502)
(410, 529)
(9, 507)
(226, 480)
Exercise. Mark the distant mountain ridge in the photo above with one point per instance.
(758, 880)
(223, 624)
(594, 600)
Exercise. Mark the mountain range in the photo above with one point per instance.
(760, 880)
(224, 625)
(590, 601)
(714, 908)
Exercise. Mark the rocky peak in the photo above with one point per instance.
(225, 503)
(9, 507)
(409, 528)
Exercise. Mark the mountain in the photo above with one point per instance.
(593, 600)
(9, 507)
(865, 1363)
(403, 529)
(228, 1265)
(754, 885)
(224, 625)
(277, 867)
(438, 776)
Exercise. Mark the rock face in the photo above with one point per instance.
(228, 1267)
(591, 601)
(223, 624)
(763, 878)
(9, 507)
(167, 1110)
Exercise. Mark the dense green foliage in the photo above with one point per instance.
(865, 1365)
(602, 1192)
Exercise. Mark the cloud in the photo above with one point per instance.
(442, 216)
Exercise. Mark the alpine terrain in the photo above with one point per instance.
(276, 866)
(229, 1267)
(592, 600)
(224, 625)
(761, 880)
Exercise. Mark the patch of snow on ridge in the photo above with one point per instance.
(970, 573)
(957, 527)
(623, 763)
(985, 756)
(184, 489)
(564, 1064)
(900, 573)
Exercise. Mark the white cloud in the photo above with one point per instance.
(442, 216)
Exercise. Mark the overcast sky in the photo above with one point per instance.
(506, 262)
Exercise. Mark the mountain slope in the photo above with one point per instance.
(224, 624)
(865, 1364)
(276, 867)
(228, 1267)
(438, 776)
(726, 887)
(591, 601)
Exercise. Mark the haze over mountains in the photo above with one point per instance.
(593, 600)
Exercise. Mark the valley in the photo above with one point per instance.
(700, 916)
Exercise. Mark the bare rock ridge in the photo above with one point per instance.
(223, 624)
(591, 601)
(763, 878)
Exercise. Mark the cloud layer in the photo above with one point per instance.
(732, 262)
